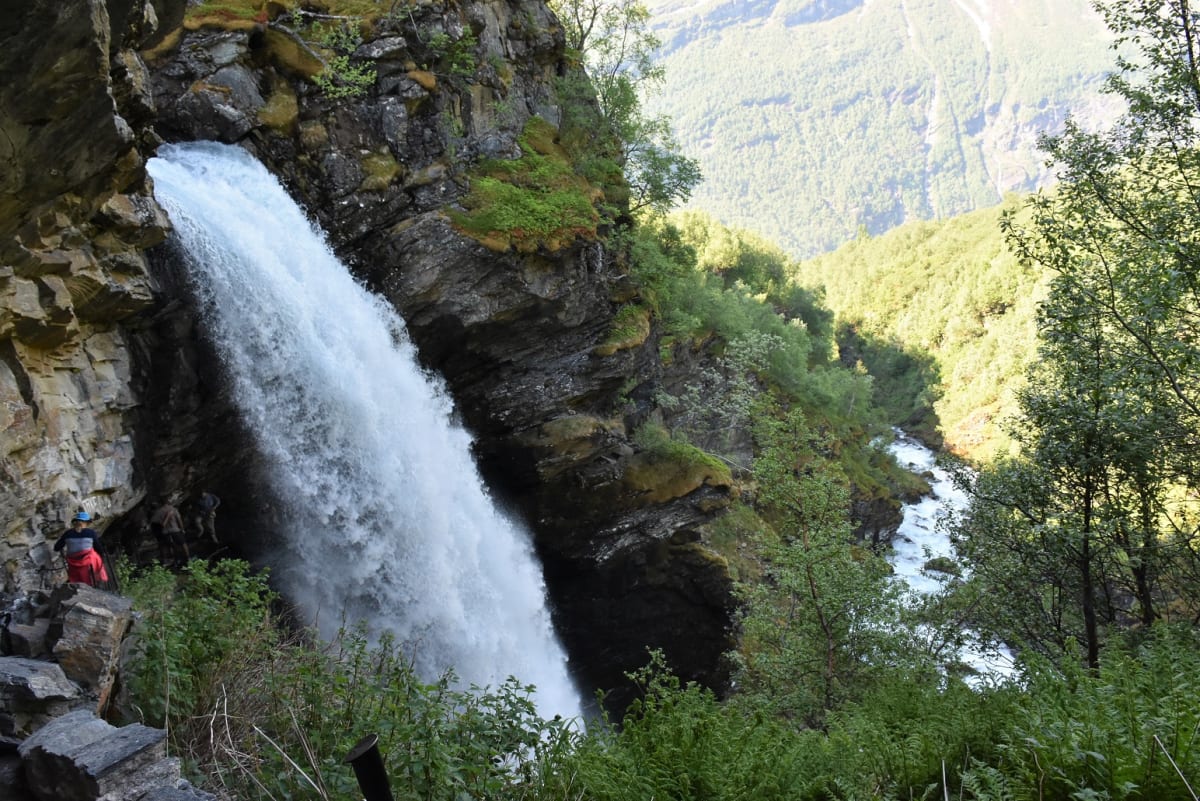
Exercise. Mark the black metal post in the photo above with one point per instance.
(368, 769)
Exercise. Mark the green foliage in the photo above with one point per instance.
(943, 316)
(457, 55)
(696, 303)
(678, 742)
(1129, 731)
(818, 627)
(605, 123)
(266, 716)
(192, 629)
(536, 199)
(287, 710)
(717, 402)
(341, 77)
(1111, 409)
(773, 338)
(909, 731)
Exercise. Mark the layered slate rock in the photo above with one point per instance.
(78, 757)
(75, 219)
(86, 630)
(32, 692)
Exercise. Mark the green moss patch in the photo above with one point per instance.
(535, 201)
(573, 427)
(668, 468)
(630, 328)
(226, 14)
(281, 110)
(223, 13)
(290, 55)
(379, 170)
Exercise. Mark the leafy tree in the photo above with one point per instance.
(1120, 237)
(613, 40)
(1121, 229)
(1111, 416)
(814, 630)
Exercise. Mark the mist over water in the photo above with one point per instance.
(384, 518)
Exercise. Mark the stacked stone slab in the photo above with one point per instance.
(62, 652)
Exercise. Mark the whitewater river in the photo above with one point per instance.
(921, 538)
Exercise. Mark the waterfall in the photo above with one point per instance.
(383, 515)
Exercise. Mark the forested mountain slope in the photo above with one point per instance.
(942, 314)
(813, 118)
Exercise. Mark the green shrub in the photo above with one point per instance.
(194, 628)
(272, 716)
(1126, 732)
(678, 742)
(342, 77)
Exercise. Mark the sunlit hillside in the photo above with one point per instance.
(813, 118)
(944, 317)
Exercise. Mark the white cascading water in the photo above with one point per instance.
(922, 537)
(385, 518)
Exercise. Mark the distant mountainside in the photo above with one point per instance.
(814, 118)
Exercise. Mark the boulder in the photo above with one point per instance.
(32, 692)
(28, 640)
(78, 757)
(86, 631)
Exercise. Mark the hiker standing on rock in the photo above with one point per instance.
(81, 545)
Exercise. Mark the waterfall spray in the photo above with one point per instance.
(383, 516)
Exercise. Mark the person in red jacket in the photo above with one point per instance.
(81, 545)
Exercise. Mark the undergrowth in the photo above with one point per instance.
(258, 712)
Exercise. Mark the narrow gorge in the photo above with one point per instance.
(113, 396)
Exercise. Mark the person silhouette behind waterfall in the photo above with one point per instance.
(167, 526)
(81, 545)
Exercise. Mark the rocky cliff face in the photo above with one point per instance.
(75, 219)
(111, 394)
